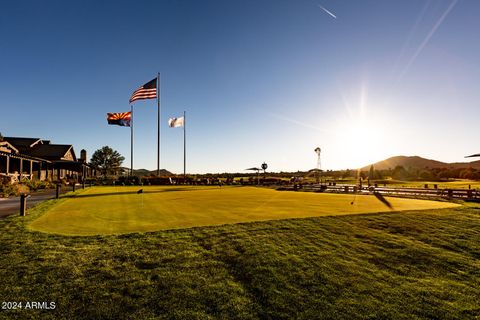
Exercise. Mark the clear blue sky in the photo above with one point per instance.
(261, 80)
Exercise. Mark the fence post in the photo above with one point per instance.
(73, 187)
(57, 190)
(23, 204)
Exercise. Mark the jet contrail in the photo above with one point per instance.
(413, 31)
(427, 38)
(331, 14)
(300, 123)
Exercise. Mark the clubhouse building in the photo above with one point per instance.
(37, 159)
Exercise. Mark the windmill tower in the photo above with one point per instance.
(319, 163)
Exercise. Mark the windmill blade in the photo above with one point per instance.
(473, 155)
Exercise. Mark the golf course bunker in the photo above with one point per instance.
(117, 210)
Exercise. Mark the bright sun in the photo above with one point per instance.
(361, 141)
(361, 131)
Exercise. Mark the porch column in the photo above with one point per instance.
(31, 169)
(8, 165)
(20, 170)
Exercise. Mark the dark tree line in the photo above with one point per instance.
(413, 173)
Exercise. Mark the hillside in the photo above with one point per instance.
(419, 162)
(145, 172)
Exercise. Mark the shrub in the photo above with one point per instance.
(35, 185)
(13, 189)
(125, 180)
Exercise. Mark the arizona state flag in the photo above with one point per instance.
(122, 119)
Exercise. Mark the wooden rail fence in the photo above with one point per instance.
(465, 194)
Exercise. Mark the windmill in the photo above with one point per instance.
(264, 167)
(473, 155)
(319, 164)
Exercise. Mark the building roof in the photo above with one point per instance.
(22, 144)
(37, 149)
(23, 156)
(52, 151)
(7, 147)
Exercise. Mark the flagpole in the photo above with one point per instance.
(184, 148)
(131, 141)
(158, 124)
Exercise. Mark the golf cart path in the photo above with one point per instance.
(11, 205)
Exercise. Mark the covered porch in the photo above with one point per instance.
(15, 167)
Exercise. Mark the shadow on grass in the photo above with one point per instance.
(139, 191)
(383, 200)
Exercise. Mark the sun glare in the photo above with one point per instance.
(362, 142)
(361, 136)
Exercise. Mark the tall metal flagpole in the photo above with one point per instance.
(184, 148)
(131, 141)
(158, 127)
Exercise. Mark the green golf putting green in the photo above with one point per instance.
(116, 210)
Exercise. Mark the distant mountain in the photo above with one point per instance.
(473, 164)
(419, 162)
(145, 172)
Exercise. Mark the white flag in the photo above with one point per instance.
(176, 122)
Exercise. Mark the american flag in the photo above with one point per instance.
(147, 91)
(122, 118)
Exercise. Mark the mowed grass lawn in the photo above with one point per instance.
(114, 210)
(402, 265)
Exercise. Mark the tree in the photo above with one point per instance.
(426, 175)
(378, 174)
(371, 173)
(107, 160)
(443, 174)
(347, 174)
(466, 173)
(399, 173)
(1, 137)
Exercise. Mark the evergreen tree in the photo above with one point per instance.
(107, 160)
(371, 173)
(399, 173)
